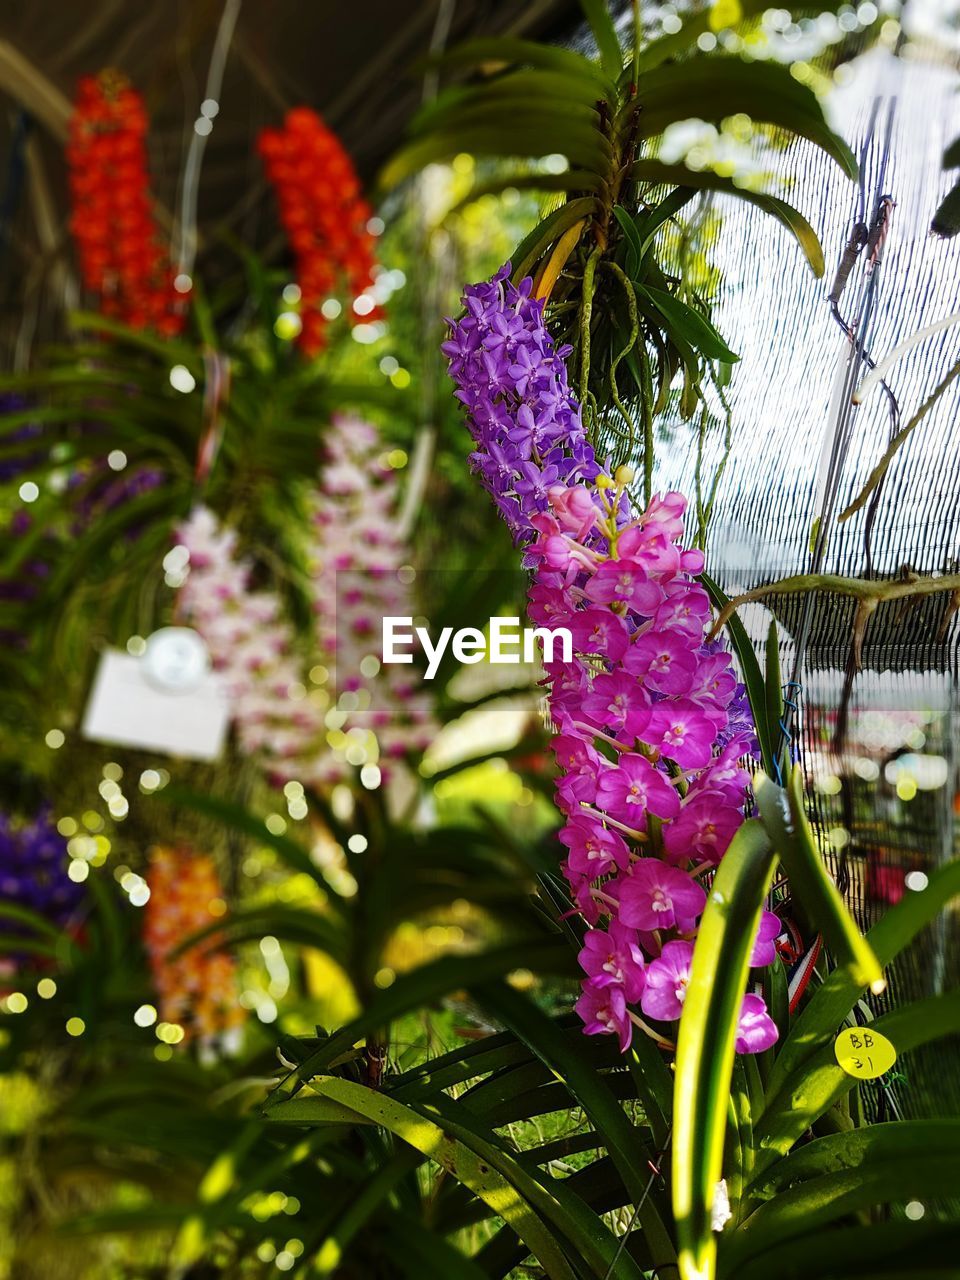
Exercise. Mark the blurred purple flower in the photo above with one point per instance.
(33, 872)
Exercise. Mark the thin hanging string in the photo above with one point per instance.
(186, 250)
(435, 280)
(655, 1173)
(869, 237)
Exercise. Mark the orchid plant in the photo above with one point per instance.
(651, 721)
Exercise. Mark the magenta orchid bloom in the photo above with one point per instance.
(756, 1030)
(626, 581)
(594, 850)
(580, 763)
(650, 546)
(603, 1009)
(617, 706)
(632, 786)
(765, 943)
(599, 631)
(613, 958)
(685, 609)
(680, 729)
(662, 662)
(702, 832)
(657, 896)
(574, 508)
(666, 986)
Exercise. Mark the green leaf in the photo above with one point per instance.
(648, 224)
(569, 181)
(584, 147)
(591, 1092)
(749, 669)
(290, 924)
(705, 180)
(420, 1253)
(694, 328)
(670, 47)
(881, 1251)
(236, 818)
(714, 87)
(370, 1196)
(783, 814)
(654, 1085)
(774, 698)
(39, 924)
(882, 1165)
(423, 986)
(605, 34)
(466, 1062)
(542, 1215)
(338, 1100)
(534, 245)
(946, 220)
(871, 1146)
(705, 1046)
(512, 52)
(170, 351)
(633, 238)
(547, 88)
(498, 102)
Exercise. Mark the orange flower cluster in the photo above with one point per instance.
(196, 989)
(324, 215)
(122, 258)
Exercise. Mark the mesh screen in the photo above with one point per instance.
(883, 801)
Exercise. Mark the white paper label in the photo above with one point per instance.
(128, 709)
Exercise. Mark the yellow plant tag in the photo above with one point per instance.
(864, 1053)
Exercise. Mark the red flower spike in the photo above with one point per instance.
(324, 215)
(122, 257)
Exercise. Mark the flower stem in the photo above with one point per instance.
(649, 1031)
(621, 826)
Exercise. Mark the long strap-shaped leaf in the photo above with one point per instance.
(880, 1165)
(858, 1147)
(527, 53)
(419, 1253)
(605, 34)
(880, 1251)
(707, 180)
(783, 814)
(715, 86)
(541, 1216)
(601, 1106)
(705, 1047)
(422, 986)
(749, 669)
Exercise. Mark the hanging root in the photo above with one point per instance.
(631, 298)
(586, 315)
